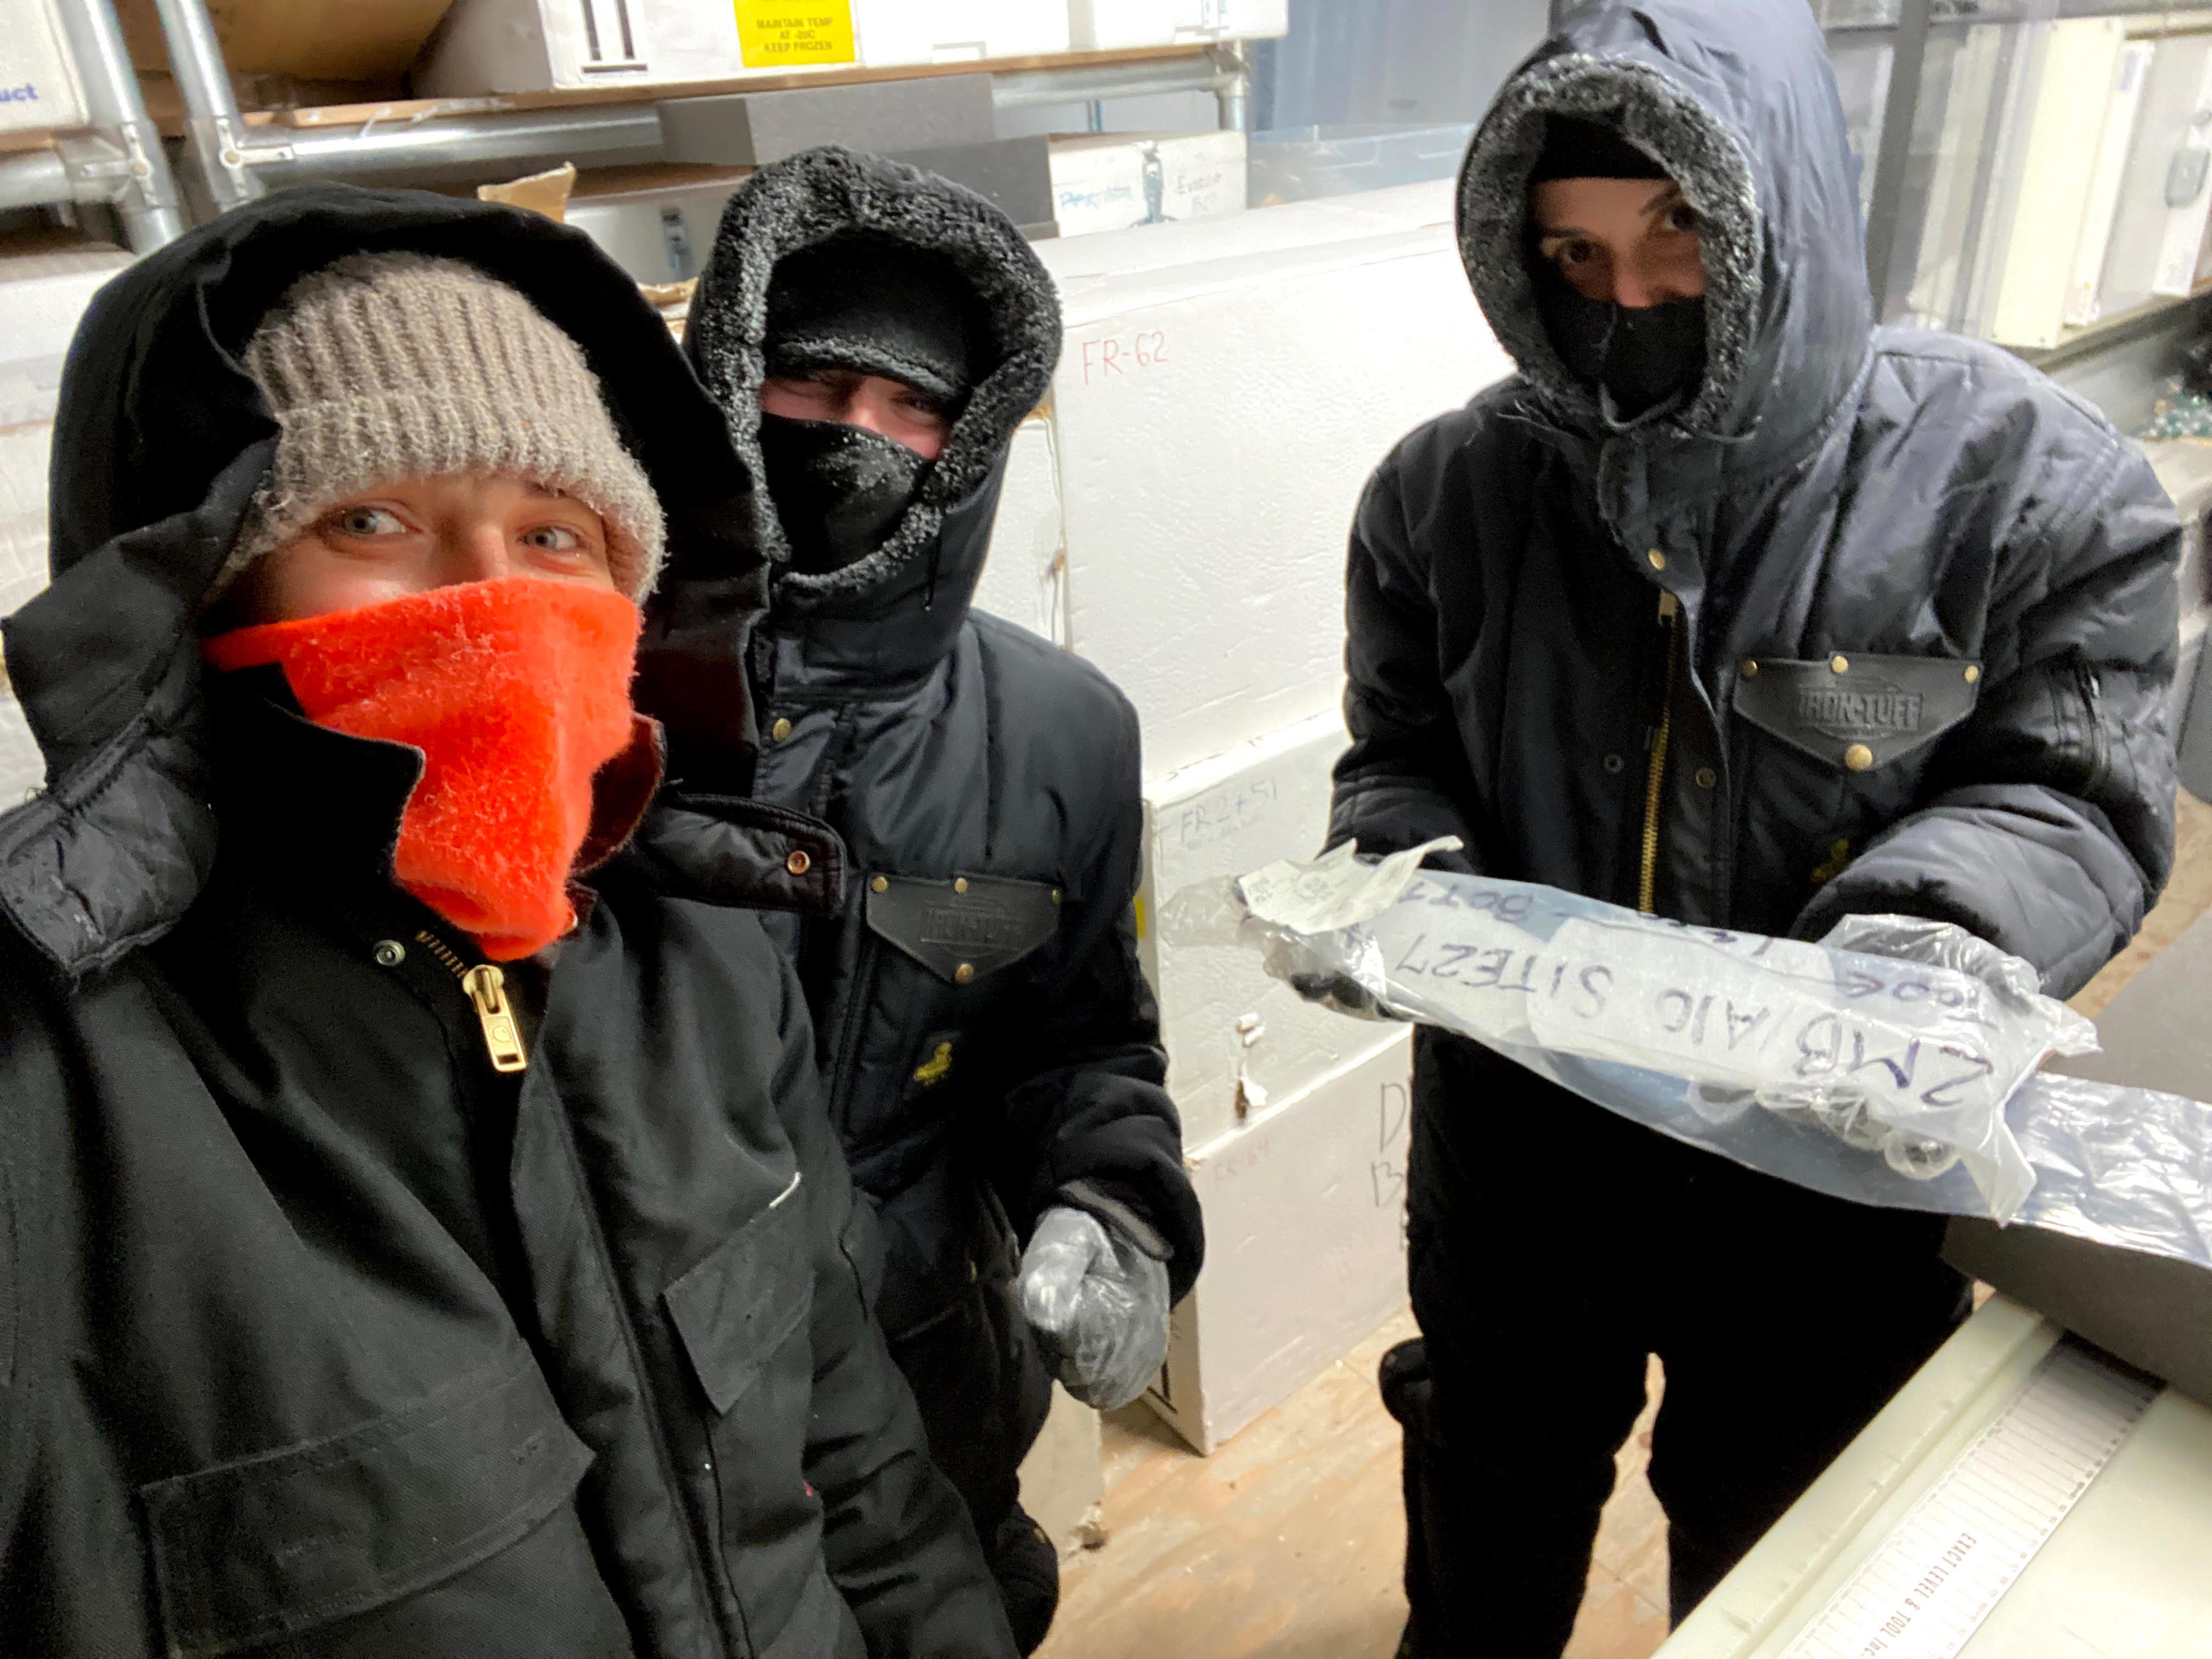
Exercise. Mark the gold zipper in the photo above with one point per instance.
(486, 988)
(1654, 783)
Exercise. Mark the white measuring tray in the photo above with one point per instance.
(2022, 1497)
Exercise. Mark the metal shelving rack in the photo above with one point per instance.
(120, 161)
(1910, 25)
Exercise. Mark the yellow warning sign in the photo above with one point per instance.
(794, 34)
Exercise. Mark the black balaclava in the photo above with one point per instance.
(1642, 356)
(875, 306)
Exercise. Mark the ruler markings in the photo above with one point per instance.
(1933, 1581)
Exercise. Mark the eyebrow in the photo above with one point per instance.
(1668, 194)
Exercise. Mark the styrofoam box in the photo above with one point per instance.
(1237, 1040)
(1113, 182)
(537, 46)
(38, 78)
(42, 296)
(1225, 388)
(1305, 1248)
(1104, 25)
(1024, 579)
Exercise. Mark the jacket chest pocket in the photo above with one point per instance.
(741, 1315)
(1857, 712)
(1834, 748)
(966, 929)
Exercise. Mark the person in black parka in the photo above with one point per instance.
(1735, 608)
(991, 1051)
(368, 1289)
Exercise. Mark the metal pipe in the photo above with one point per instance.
(1028, 89)
(35, 178)
(214, 129)
(1232, 88)
(146, 196)
(606, 135)
(1908, 56)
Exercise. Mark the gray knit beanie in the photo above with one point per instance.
(391, 366)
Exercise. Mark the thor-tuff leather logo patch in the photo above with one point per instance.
(1867, 710)
(982, 926)
(1856, 709)
(964, 928)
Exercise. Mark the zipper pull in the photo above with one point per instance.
(1669, 606)
(487, 989)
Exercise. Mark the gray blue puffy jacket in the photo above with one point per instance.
(1875, 620)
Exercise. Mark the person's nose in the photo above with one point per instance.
(1633, 291)
(476, 553)
(866, 413)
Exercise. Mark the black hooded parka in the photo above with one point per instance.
(319, 1335)
(989, 1043)
(1873, 620)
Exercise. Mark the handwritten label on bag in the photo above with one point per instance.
(1922, 1047)
(794, 34)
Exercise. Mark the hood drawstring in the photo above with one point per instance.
(929, 591)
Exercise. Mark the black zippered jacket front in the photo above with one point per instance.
(319, 1335)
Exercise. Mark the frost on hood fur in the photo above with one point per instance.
(820, 193)
(1738, 104)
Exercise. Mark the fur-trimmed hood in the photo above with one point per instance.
(807, 199)
(1737, 102)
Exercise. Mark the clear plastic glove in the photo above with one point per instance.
(1940, 944)
(1098, 1305)
(2014, 982)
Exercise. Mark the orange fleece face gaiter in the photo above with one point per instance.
(516, 691)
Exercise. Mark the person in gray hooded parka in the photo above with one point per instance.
(1735, 607)
(874, 334)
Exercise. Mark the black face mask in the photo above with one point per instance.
(840, 490)
(1644, 357)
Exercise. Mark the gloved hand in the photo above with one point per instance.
(1940, 944)
(1098, 1305)
(2014, 983)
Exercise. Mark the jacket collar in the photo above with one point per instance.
(327, 805)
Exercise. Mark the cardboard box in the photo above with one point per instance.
(1112, 181)
(1107, 25)
(39, 85)
(538, 45)
(1225, 388)
(317, 40)
(1305, 1249)
(1238, 1041)
(657, 223)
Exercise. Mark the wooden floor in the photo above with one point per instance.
(1285, 1543)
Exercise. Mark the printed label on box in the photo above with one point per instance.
(795, 34)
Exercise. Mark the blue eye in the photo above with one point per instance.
(553, 538)
(367, 521)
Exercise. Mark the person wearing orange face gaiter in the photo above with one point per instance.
(420, 1232)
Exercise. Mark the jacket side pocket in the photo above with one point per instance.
(736, 1307)
(277, 1544)
(741, 1315)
